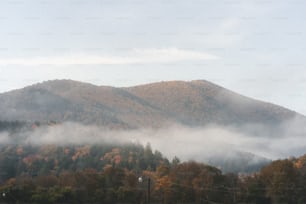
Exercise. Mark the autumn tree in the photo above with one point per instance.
(280, 178)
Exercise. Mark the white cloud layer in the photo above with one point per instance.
(175, 140)
(135, 56)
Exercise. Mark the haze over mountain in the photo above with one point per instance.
(203, 121)
(195, 103)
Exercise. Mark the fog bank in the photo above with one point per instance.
(176, 140)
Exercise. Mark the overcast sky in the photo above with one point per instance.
(254, 47)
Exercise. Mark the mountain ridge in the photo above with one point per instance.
(193, 103)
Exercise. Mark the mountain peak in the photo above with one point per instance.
(61, 83)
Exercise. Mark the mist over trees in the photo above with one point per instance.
(101, 157)
(110, 173)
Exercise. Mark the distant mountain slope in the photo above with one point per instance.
(195, 103)
(201, 102)
(66, 100)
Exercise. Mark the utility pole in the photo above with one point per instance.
(140, 180)
(149, 189)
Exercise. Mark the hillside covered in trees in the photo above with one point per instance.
(44, 158)
(194, 103)
(133, 173)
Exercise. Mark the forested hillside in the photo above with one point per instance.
(136, 174)
(59, 143)
(195, 103)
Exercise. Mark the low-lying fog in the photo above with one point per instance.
(185, 142)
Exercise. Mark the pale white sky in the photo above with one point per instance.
(253, 47)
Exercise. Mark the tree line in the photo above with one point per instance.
(133, 173)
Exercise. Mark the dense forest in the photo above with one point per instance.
(134, 173)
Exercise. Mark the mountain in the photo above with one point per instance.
(192, 105)
(195, 103)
